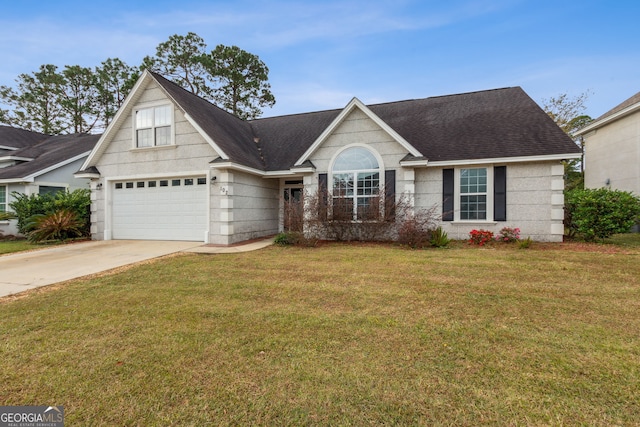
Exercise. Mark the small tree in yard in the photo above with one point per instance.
(600, 213)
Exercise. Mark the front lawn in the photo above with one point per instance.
(337, 335)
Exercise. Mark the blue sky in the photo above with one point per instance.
(323, 53)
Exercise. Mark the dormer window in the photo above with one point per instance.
(153, 126)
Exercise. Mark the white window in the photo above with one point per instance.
(3, 198)
(153, 126)
(473, 194)
(356, 185)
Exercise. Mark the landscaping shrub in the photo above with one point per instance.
(508, 235)
(600, 213)
(439, 238)
(62, 224)
(525, 243)
(480, 237)
(26, 206)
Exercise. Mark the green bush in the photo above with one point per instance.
(26, 206)
(600, 213)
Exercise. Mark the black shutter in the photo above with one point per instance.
(323, 193)
(447, 194)
(390, 194)
(500, 193)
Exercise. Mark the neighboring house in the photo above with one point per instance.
(612, 148)
(33, 163)
(173, 166)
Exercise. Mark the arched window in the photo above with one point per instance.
(356, 185)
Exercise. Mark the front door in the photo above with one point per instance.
(293, 209)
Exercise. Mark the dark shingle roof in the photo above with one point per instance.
(51, 151)
(18, 138)
(231, 134)
(488, 124)
(284, 139)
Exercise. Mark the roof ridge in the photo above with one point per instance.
(389, 103)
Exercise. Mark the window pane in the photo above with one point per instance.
(163, 135)
(355, 158)
(368, 183)
(152, 184)
(144, 138)
(144, 118)
(473, 207)
(162, 115)
(140, 184)
(188, 181)
(175, 182)
(343, 184)
(202, 181)
(473, 180)
(368, 208)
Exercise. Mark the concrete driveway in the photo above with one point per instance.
(27, 270)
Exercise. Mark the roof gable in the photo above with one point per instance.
(355, 103)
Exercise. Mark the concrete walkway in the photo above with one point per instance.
(27, 270)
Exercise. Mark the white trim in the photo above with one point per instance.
(20, 159)
(620, 114)
(237, 167)
(489, 196)
(264, 174)
(6, 147)
(355, 102)
(206, 136)
(469, 162)
(152, 105)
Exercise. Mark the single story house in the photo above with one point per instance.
(612, 148)
(173, 166)
(34, 163)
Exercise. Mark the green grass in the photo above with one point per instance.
(337, 335)
(10, 246)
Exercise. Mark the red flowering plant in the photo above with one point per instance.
(508, 235)
(480, 237)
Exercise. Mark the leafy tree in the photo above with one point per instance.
(79, 98)
(114, 80)
(567, 112)
(179, 59)
(36, 103)
(242, 81)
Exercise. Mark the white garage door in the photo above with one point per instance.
(160, 209)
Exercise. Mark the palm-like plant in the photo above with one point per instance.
(60, 225)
